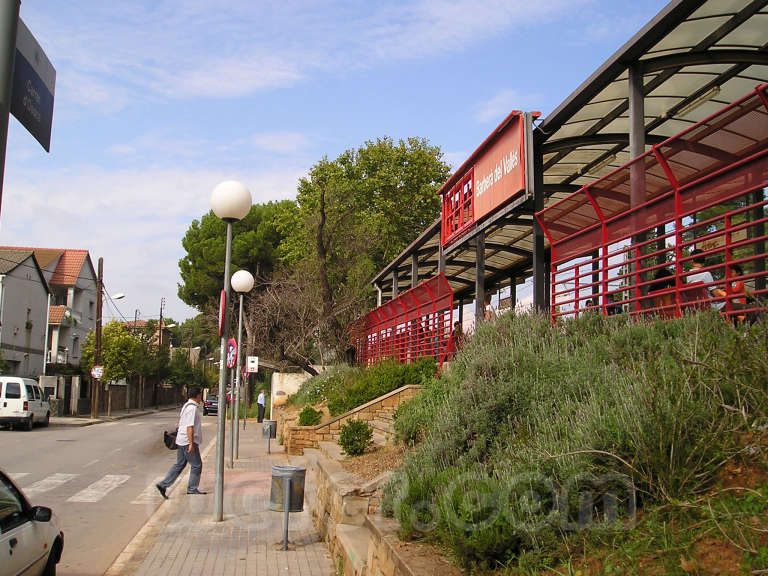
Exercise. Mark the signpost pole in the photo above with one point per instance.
(9, 24)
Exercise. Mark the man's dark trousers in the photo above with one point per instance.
(261, 412)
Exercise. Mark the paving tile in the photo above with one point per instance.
(190, 543)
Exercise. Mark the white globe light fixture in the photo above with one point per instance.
(230, 201)
(242, 282)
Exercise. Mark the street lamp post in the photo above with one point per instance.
(230, 201)
(242, 283)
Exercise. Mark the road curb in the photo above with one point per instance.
(61, 422)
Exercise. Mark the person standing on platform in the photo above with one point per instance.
(261, 402)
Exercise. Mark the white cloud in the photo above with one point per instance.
(281, 142)
(498, 107)
(135, 220)
(127, 51)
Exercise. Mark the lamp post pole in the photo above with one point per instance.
(230, 201)
(95, 383)
(242, 282)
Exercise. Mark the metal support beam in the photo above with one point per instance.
(479, 277)
(540, 269)
(394, 284)
(441, 261)
(414, 270)
(637, 194)
(378, 294)
(512, 292)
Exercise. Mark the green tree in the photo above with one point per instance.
(255, 241)
(355, 214)
(118, 352)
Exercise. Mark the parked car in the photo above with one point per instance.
(30, 539)
(211, 405)
(22, 403)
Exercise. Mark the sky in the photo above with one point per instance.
(158, 101)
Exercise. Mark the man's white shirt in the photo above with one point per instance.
(190, 416)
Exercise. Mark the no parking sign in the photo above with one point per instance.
(231, 353)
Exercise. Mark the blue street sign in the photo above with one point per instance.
(34, 83)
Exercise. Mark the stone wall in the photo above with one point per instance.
(297, 438)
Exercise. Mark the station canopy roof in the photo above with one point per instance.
(696, 56)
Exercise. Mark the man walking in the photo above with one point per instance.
(188, 440)
(261, 402)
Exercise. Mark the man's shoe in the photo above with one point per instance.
(161, 490)
(196, 491)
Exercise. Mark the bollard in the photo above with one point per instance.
(286, 510)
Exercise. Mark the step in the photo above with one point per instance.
(382, 427)
(330, 450)
(379, 439)
(386, 416)
(354, 541)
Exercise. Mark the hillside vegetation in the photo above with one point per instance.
(541, 440)
(344, 387)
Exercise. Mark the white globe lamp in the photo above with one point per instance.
(242, 281)
(231, 201)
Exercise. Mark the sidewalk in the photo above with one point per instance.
(80, 421)
(182, 539)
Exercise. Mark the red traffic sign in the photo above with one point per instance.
(97, 372)
(231, 353)
(222, 307)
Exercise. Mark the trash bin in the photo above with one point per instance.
(280, 477)
(270, 429)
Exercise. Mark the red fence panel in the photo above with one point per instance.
(414, 325)
(697, 240)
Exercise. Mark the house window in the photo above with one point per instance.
(75, 347)
(90, 309)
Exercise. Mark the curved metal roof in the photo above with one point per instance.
(695, 57)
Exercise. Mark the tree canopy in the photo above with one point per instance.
(315, 256)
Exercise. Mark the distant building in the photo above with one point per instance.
(23, 312)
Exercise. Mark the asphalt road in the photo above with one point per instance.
(98, 479)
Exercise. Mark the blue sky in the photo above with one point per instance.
(157, 102)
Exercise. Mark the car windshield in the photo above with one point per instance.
(211, 398)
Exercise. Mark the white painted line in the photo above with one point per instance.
(91, 463)
(115, 450)
(48, 484)
(150, 494)
(109, 424)
(98, 490)
(17, 475)
(135, 423)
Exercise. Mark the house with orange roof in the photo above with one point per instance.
(71, 279)
(23, 313)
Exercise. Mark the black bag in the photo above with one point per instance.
(169, 439)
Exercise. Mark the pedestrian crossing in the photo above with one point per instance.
(69, 488)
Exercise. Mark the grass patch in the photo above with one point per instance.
(541, 439)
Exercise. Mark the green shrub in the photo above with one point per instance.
(355, 437)
(345, 388)
(595, 404)
(309, 416)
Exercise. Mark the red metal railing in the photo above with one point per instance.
(458, 212)
(703, 189)
(414, 325)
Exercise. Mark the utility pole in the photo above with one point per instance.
(95, 383)
(159, 349)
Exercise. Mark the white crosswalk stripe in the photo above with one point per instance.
(48, 484)
(150, 494)
(99, 489)
(16, 476)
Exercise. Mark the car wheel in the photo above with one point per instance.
(29, 424)
(50, 565)
(47, 419)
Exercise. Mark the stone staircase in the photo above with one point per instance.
(383, 427)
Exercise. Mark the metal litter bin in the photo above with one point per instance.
(291, 477)
(270, 429)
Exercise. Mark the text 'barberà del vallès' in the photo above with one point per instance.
(508, 163)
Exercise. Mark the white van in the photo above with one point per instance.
(22, 403)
